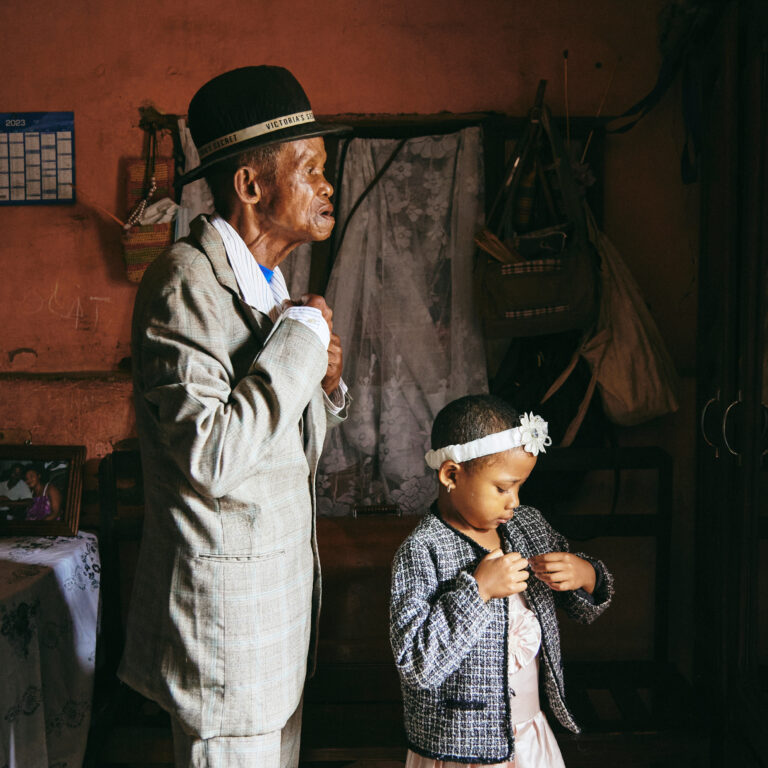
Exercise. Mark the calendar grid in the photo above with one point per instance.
(37, 158)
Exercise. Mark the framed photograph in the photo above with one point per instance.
(40, 489)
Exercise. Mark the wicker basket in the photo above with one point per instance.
(142, 245)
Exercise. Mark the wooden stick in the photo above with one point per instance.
(79, 192)
(567, 115)
(599, 110)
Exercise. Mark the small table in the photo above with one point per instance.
(49, 603)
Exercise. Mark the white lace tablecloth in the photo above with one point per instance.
(49, 602)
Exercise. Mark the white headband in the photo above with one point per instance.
(531, 435)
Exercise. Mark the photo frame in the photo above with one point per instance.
(40, 489)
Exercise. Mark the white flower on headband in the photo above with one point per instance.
(533, 434)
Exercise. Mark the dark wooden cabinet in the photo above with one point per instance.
(732, 508)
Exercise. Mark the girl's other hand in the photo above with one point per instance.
(562, 571)
(500, 575)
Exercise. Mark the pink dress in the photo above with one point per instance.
(535, 743)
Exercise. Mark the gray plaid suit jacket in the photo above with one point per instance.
(227, 588)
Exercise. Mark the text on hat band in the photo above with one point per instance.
(269, 126)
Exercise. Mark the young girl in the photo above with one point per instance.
(474, 590)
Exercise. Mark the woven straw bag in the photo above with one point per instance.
(147, 178)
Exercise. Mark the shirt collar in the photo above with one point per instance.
(266, 297)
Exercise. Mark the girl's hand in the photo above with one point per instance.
(563, 571)
(500, 575)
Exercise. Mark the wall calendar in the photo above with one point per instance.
(37, 158)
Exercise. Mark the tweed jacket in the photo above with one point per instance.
(451, 648)
(231, 422)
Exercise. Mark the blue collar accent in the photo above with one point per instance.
(267, 272)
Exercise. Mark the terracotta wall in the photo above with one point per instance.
(64, 301)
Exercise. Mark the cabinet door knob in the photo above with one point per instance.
(725, 425)
(702, 421)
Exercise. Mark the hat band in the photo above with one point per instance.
(269, 126)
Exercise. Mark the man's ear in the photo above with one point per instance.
(246, 185)
(448, 473)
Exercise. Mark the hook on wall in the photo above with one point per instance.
(15, 436)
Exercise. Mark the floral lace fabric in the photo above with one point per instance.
(401, 293)
(49, 609)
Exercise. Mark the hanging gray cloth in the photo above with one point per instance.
(401, 293)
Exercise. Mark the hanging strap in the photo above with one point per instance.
(581, 412)
(150, 184)
(568, 191)
(687, 34)
(508, 192)
(374, 181)
(575, 424)
(539, 122)
(515, 164)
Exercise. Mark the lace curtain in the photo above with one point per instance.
(401, 293)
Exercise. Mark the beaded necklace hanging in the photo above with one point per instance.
(150, 183)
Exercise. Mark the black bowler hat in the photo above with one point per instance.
(246, 108)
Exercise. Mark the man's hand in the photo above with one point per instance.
(500, 575)
(318, 302)
(332, 376)
(335, 361)
(563, 571)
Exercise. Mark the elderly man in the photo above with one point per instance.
(233, 386)
(14, 489)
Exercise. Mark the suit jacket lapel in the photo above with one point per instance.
(213, 246)
(211, 243)
(260, 323)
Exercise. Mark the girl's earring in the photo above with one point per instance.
(448, 488)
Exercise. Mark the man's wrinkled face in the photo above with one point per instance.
(296, 205)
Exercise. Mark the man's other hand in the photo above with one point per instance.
(335, 360)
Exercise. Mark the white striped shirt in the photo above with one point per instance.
(271, 297)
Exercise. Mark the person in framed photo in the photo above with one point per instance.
(46, 497)
(14, 492)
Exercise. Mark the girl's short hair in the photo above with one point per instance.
(470, 418)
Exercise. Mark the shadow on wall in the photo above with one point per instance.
(109, 236)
